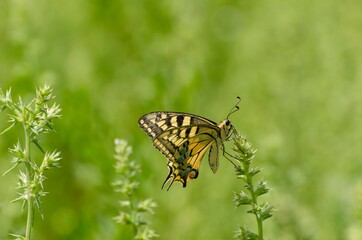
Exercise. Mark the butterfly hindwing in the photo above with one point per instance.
(185, 148)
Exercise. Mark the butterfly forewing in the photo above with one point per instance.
(184, 139)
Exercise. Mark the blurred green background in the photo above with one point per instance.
(297, 65)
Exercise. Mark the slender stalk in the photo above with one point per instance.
(132, 210)
(255, 207)
(30, 217)
(36, 118)
(133, 216)
(244, 171)
(255, 204)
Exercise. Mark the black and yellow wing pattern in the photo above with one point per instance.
(184, 139)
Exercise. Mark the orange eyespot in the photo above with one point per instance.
(193, 174)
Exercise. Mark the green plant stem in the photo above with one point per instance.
(133, 216)
(30, 217)
(255, 202)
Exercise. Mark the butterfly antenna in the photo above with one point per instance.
(234, 108)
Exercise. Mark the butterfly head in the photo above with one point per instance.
(227, 129)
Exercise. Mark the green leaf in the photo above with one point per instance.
(10, 169)
(36, 142)
(7, 129)
(145, 234)
(242, 198)
(243, 233)
(253, 171)
(266, 211)
(17, 237)
(146, 205)
(261, 188)
(123, 218)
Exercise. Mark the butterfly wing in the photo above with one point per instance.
(185, 152)
(184, 140)
(155, 123)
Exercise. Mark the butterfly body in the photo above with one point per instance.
(184, 139)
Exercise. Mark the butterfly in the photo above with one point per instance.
(184, 139)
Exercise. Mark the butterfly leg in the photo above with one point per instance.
(227, 155)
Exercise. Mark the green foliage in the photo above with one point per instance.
(244, 156)
(295, 64)
(132, 210)
(35, 118)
